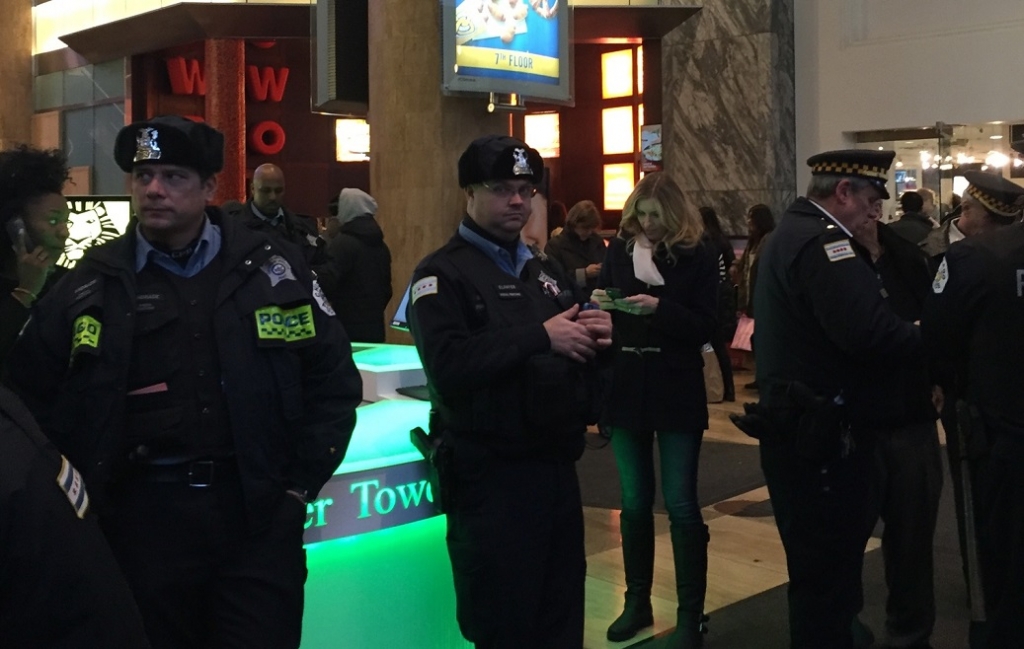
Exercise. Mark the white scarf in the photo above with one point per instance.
(643, 262)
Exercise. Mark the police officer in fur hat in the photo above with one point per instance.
(822, 325)
(194, 374)
(509, 356)
(972, 331)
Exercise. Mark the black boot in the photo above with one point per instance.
(638, 560)
(690, 554)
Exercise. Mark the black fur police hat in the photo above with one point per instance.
(996, 194)
(173, 140)
(499, 157)
(859, 163)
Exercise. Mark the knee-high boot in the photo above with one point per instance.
(638, 560)
(690, 554)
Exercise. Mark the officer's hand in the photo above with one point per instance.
(601, 299)
(599, 326)
(570, 338)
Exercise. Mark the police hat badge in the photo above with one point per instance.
(147, 147)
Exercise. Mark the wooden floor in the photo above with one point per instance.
(745, 556)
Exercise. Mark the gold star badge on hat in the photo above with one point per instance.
(146, 145)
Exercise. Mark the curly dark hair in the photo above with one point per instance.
(25, 175)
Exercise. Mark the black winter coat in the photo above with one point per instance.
(658, 375)
(291, 404)
(575, 255)
(357, 278)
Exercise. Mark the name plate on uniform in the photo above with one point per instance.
(366, 501)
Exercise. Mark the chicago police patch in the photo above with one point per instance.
(838, 250)
(426, 286)
(70, 482)
(941, 277)
(277, 269)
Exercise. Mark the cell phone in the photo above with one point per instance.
(16, 232)
(614, 293)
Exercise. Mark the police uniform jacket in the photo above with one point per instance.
(658, 375)
(288, 380)
(821, 316)
(492, 376)
(59, 583)
(973, 322)
(297, 229)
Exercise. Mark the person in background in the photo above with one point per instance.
(914, 225)
(578, 247)
(35, 219)
(61, 586)
(929, 206)
(193, 373)
(556, 218)
(726, 298)
(972, 332)
(760, 223)
(975, 217)
(511, 364)
(356, 276)
(265, 212)
(822, 324)
(667, 276)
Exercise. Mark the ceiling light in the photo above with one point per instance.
(995, 137)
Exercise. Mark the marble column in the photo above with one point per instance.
(16, 74)
(729, 130)
(225, 111)
(416, 136)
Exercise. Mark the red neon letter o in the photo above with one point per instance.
(267, 138)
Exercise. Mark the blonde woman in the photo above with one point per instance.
(660, 283)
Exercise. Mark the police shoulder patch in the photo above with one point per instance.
(941, 277)
(839, 250)
(425, 286)
(70, 482)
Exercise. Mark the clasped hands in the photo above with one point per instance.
(641, 304)
(579, 333)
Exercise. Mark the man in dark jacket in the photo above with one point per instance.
(907, 463)
(265, 212)
(190, 371)
(821, 319)
(913, 225)
(356, 277)
(61, 587)
(505, 346)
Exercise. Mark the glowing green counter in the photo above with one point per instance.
(379, 573)
(385, 368)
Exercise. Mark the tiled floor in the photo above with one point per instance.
(745, 559)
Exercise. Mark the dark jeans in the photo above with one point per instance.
(515, 538)
(679, 451)
(201, 580)
(821, 511)
(907, 486)
(1000, 519)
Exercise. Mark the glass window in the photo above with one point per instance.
(352, 140)
(617, 74)
(618, 183)
(108, 80)
(48, 90)
(542, 133)
(617, 130)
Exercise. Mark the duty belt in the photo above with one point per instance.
(197, 473)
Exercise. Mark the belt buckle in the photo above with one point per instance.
(200, 474)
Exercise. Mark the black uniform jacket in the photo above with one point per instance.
(291, 403)
(356, 278)
(821, 315)
(491, 373)
(59, 583)
(658, 376)
(973, 322)
(297, 229)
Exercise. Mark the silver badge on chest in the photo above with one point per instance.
(146, 145)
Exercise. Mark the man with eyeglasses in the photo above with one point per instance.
(510, 356)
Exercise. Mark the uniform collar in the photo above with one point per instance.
(829, 215)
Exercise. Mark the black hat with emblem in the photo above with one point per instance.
(172, 140)
(499, 157)
(996, 194)
(869, 165)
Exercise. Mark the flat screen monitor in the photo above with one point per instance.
(508, 47)
(401, 319)
(93, 220)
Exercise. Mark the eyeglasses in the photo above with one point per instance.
(505, 191)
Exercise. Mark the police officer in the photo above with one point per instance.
(821, 323)
(189, 371)
(972, 331)
(61, 586)
(508, 354)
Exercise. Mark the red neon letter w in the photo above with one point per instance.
(186, 76)
(266, 81)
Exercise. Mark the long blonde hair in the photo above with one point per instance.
(685, 228)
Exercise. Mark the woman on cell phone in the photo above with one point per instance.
(660, 282)
(34, 214)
